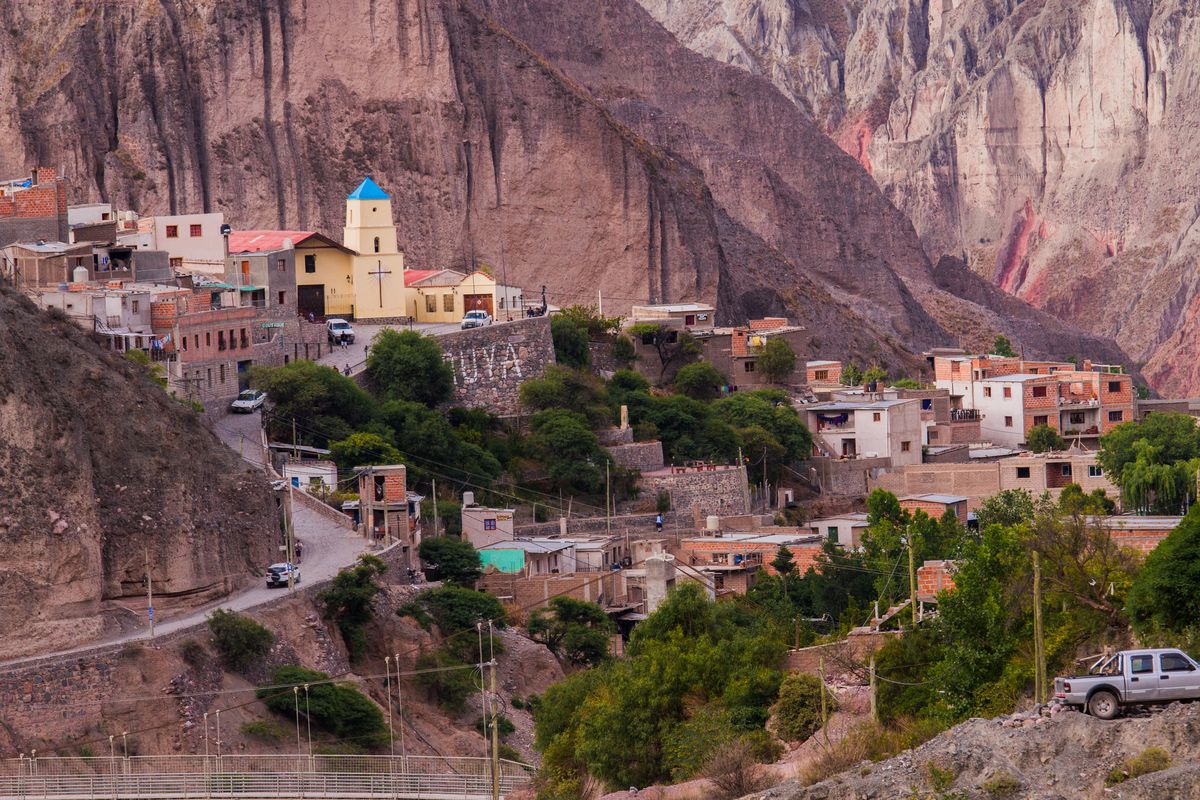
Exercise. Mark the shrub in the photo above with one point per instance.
(734, 772)
(777, 360)
(623, 351)
(337, 708)
(1002, 784)
(570, 342)
(1152, 759)
(509, 753)
(869, 741)
(503, 723)
(797, 712)
(700, 381)
(1043, 438)
(452, 683)
(452, 560)
(239, 640)
(192, 653)
(348, 601)
(662, 503)
(406, 365)
(265, 730)
(940, 778)
(455, 610)
(573, 629)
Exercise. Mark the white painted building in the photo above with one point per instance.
(845, 530)
(1001, 401)
(868, 429)
(193, 241)
(311, 474)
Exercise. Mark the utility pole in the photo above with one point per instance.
(1039, 643)
(149, 593)
(435, 511)
(824, 708)
(295, 452)
(912, 576)
(495, 721)
(400, 711)
(291, 540)
(600, 302)
(607, 505)
(766, 498)
(874, 706)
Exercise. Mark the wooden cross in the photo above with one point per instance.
(379, 273)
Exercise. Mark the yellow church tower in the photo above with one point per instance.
(378, 267)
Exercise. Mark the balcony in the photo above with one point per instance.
(1070, 401)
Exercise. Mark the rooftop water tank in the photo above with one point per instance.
(468, 498)
(714, 522)
(79, 274)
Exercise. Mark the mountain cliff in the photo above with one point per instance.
(1044, 143)
(570, 144)
(99, 471)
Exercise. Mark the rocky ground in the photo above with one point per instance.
(1039, 756)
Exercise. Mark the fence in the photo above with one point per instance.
(257, 776)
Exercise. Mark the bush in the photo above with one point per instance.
(1043, 438)
(797, 712)
(193, 653)
(777, 360)
(570, 342)
(869, 741)
(455, 610)
(348, 601)
(1152, 759)
(406, 365)
(452, 683)
(700, 381)
(265, 730)
(361, 450)
(503, 723)
(239, 640)
(940, 778)
(1002, 784)
(734, 772)
(452, 560)
(337, 708)
(662, 503)
(1165, 595)
(573, 629)
(623, 351)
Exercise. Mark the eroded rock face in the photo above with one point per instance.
(1047, 144)
(615, 161)
(98, 470)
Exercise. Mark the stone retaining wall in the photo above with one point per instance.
(642, 456)
(491, 363)
(699, 493)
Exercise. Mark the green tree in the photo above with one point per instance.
(851, 375)
(771, 410)
(337, 708)
(563, 441)
(875, 374)
(1043, 438)
(797, 712)
(623, 351)
(699, 380)
(1165, 595)
(574, 390)
(449, 559)
(908, 383)
(239, 640)
(574, 629)
(348, 601)
(324, 404)
(589, 320)
(1072, 500)
(405, 365)
(570, 342)
(1003, 347)
(1008, 507)
(455, 610)
(671, 344)
(784, 563)
(363, 449)
(777, 361)
(429, 433)
(448, 676)
(1171, 438)
(1143, 392)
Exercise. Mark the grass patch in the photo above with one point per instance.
(264, 730)
(940, 778)
(1152, 759)
(1001, 785)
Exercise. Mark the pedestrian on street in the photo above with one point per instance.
(299, 551)
(658, 523)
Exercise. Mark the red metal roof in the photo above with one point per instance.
(261, 241)
(412, 275)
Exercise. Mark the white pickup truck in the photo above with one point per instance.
(1131, 678)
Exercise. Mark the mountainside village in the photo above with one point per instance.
(212, 311)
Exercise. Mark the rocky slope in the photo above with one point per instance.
(98, 470)
(1046, 143)
(1066, 758)
(614, 160)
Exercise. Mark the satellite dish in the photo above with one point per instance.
(226, 229)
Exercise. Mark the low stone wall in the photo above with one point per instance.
(328, 512)
(491, 363)
(700, 492)
(642, 456)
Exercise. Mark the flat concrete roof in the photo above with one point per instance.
(531, 545)
(675, 308)
(1016, 377)
(864, 405)
(947, 499)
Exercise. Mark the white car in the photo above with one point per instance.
(248, 402)
(278, 574)
(476, 319)
(337, 328)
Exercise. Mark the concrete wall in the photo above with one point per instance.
(702, 492)
(491, 363)
(852, 478)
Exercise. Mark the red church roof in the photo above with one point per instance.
(267, 241)
(413, 275)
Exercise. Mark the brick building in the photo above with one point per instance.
(387, 511)
(936, 505)
(1139, 533)
(823, 374)
(34, 208)
(934, 577)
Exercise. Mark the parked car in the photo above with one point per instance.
(337, 328)
(1130, 678)
(248, 401)
(476, 319)
(279, 574)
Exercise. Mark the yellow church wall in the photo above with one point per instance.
(333, 271)
(367, 286)
(476, 283)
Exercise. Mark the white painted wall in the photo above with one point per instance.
(997, 407)
(205, 252)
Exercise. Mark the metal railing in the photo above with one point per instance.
(257, 776)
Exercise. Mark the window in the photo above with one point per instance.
(821, 375)
(220, 340)
(184, 340)
(245, 341)
(283, 298)
(1066, 470)
(1022, 472)
(195, 231)
(172, 231)
(1008, 422)
(231, 344)
(210, 377)
(1041, 420)
(376, 244)
(1007, 392)
(134, 306)
(1116, 416)
(447, 302)
(932, 435)
(430, 303)
(927, 404)
(1077, 418)
(905, 447)
(196, 341)
(1114, 386)
(955, 366)
(1174, 662)
(1095, 470)
(222, 374)
(987, 391)
(876, 416)
(489, 524)
(748, 366)
(310, 263)
(1141, 664)
(1039, 391)
(281, 265)
(833, 533)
